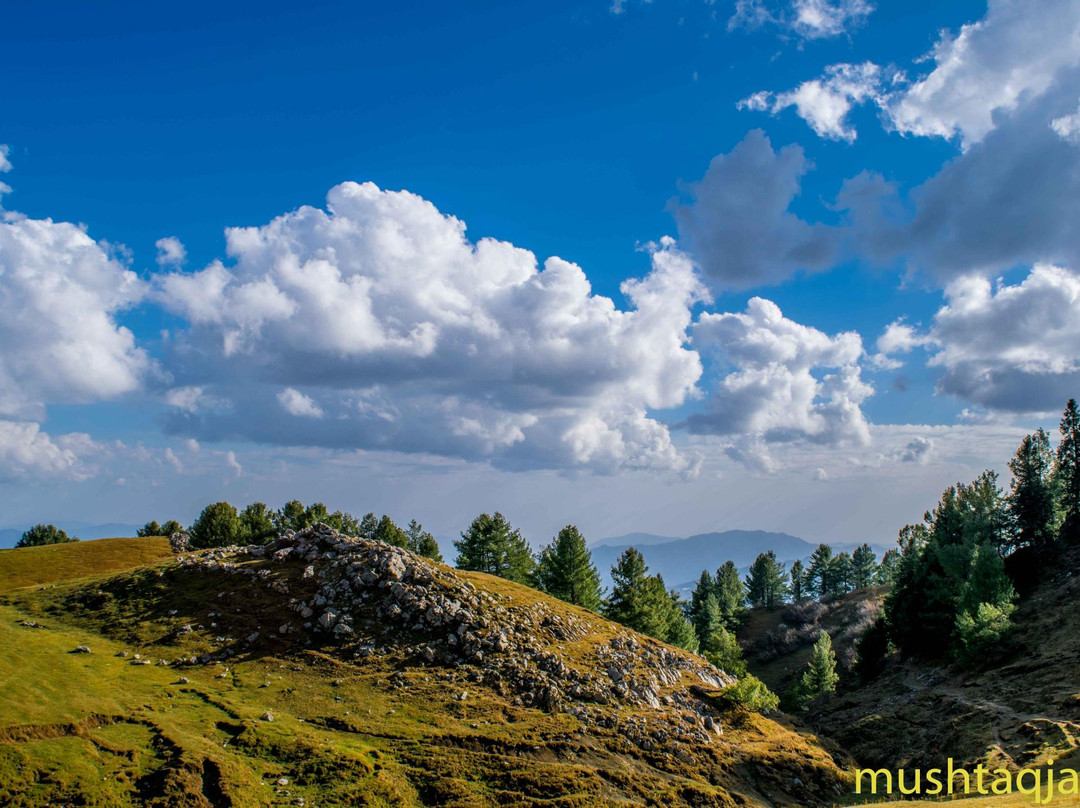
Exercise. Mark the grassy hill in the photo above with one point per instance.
(37, 566)
(204, 687)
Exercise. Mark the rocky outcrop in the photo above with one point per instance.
(361, 595)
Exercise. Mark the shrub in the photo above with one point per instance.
(978, 633)
(750, 693)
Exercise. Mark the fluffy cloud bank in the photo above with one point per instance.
(377, 324)
(1012, 348)
(59, 296)
(777, 391)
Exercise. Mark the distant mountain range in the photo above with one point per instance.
(681, 560)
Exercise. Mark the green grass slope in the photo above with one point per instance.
(316, 719)
(39, 566)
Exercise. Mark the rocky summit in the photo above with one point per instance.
(368, 596)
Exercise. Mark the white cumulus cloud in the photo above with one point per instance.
(777, 390)
(413, 338)
(59, 295)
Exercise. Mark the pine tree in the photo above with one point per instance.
(723, 651)
(368, 524)
(422, 543)
(766, 585)
(708, 619)
(390, 533)
(316, 513)
(705, 586)
(491, 545)
(820, 676)
(1031, 499)
(799, 580)
(936, 563)
(565, 570)
(842, 572)
(863, 567)
(888, 568)
(679, 631)
(638, 600)
(730, 592)
(822, 580)
(344, 522)
(1067, 472)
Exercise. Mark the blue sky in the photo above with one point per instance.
(901, 171)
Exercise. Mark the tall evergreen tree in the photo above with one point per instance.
(491, 545)
(842, 572)
(368, 524)
(421, 542)
(1067, 471)
(638, 600)
(766, 584)
(821, 573)
(863, 567)
(799, 580)
(888, 568)
(679, 631)
(565, 570)
(705, 586)
(708, 619)
(730, 592)
(1031, 499)
(820, 676)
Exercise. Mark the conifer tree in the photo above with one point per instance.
(1031, 499)
(638, 600)
(820, 676)
(679, 631)
(798, 577)
(1067, 472)
(888, 568)
(421, 542)
(842, 571)
(708, 619)
(491, 545)
(565, 570)
(368, 524)
(821, 573)
(766, 584)
(389, 532)
(863, 567)
(730, 592)
(705, 586)
(723, 651)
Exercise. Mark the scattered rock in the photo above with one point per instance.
(267, 716)
(81, 649)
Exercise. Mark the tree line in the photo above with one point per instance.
(954, 593)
